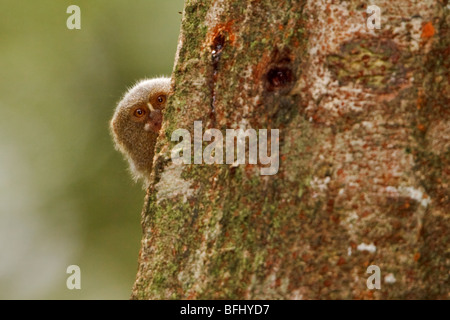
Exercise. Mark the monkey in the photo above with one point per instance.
(136, 124)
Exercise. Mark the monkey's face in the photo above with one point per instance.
(137, 121)
(148, 116)
(140, 120)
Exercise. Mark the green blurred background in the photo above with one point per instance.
(65, 194)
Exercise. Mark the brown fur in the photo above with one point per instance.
(135, 137)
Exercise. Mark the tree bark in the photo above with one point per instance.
(364, 155)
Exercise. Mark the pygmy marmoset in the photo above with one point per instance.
(136, 124)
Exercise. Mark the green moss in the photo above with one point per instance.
(193, 26)
(370, 63)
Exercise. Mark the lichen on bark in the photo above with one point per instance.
(364, 150)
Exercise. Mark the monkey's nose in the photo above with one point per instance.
(154, 121)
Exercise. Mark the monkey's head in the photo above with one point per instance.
(136, 123)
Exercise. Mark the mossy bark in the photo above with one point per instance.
(364, 154)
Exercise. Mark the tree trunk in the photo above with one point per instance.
(364, 147)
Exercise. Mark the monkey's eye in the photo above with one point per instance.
(161, 99)
(139, 113)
